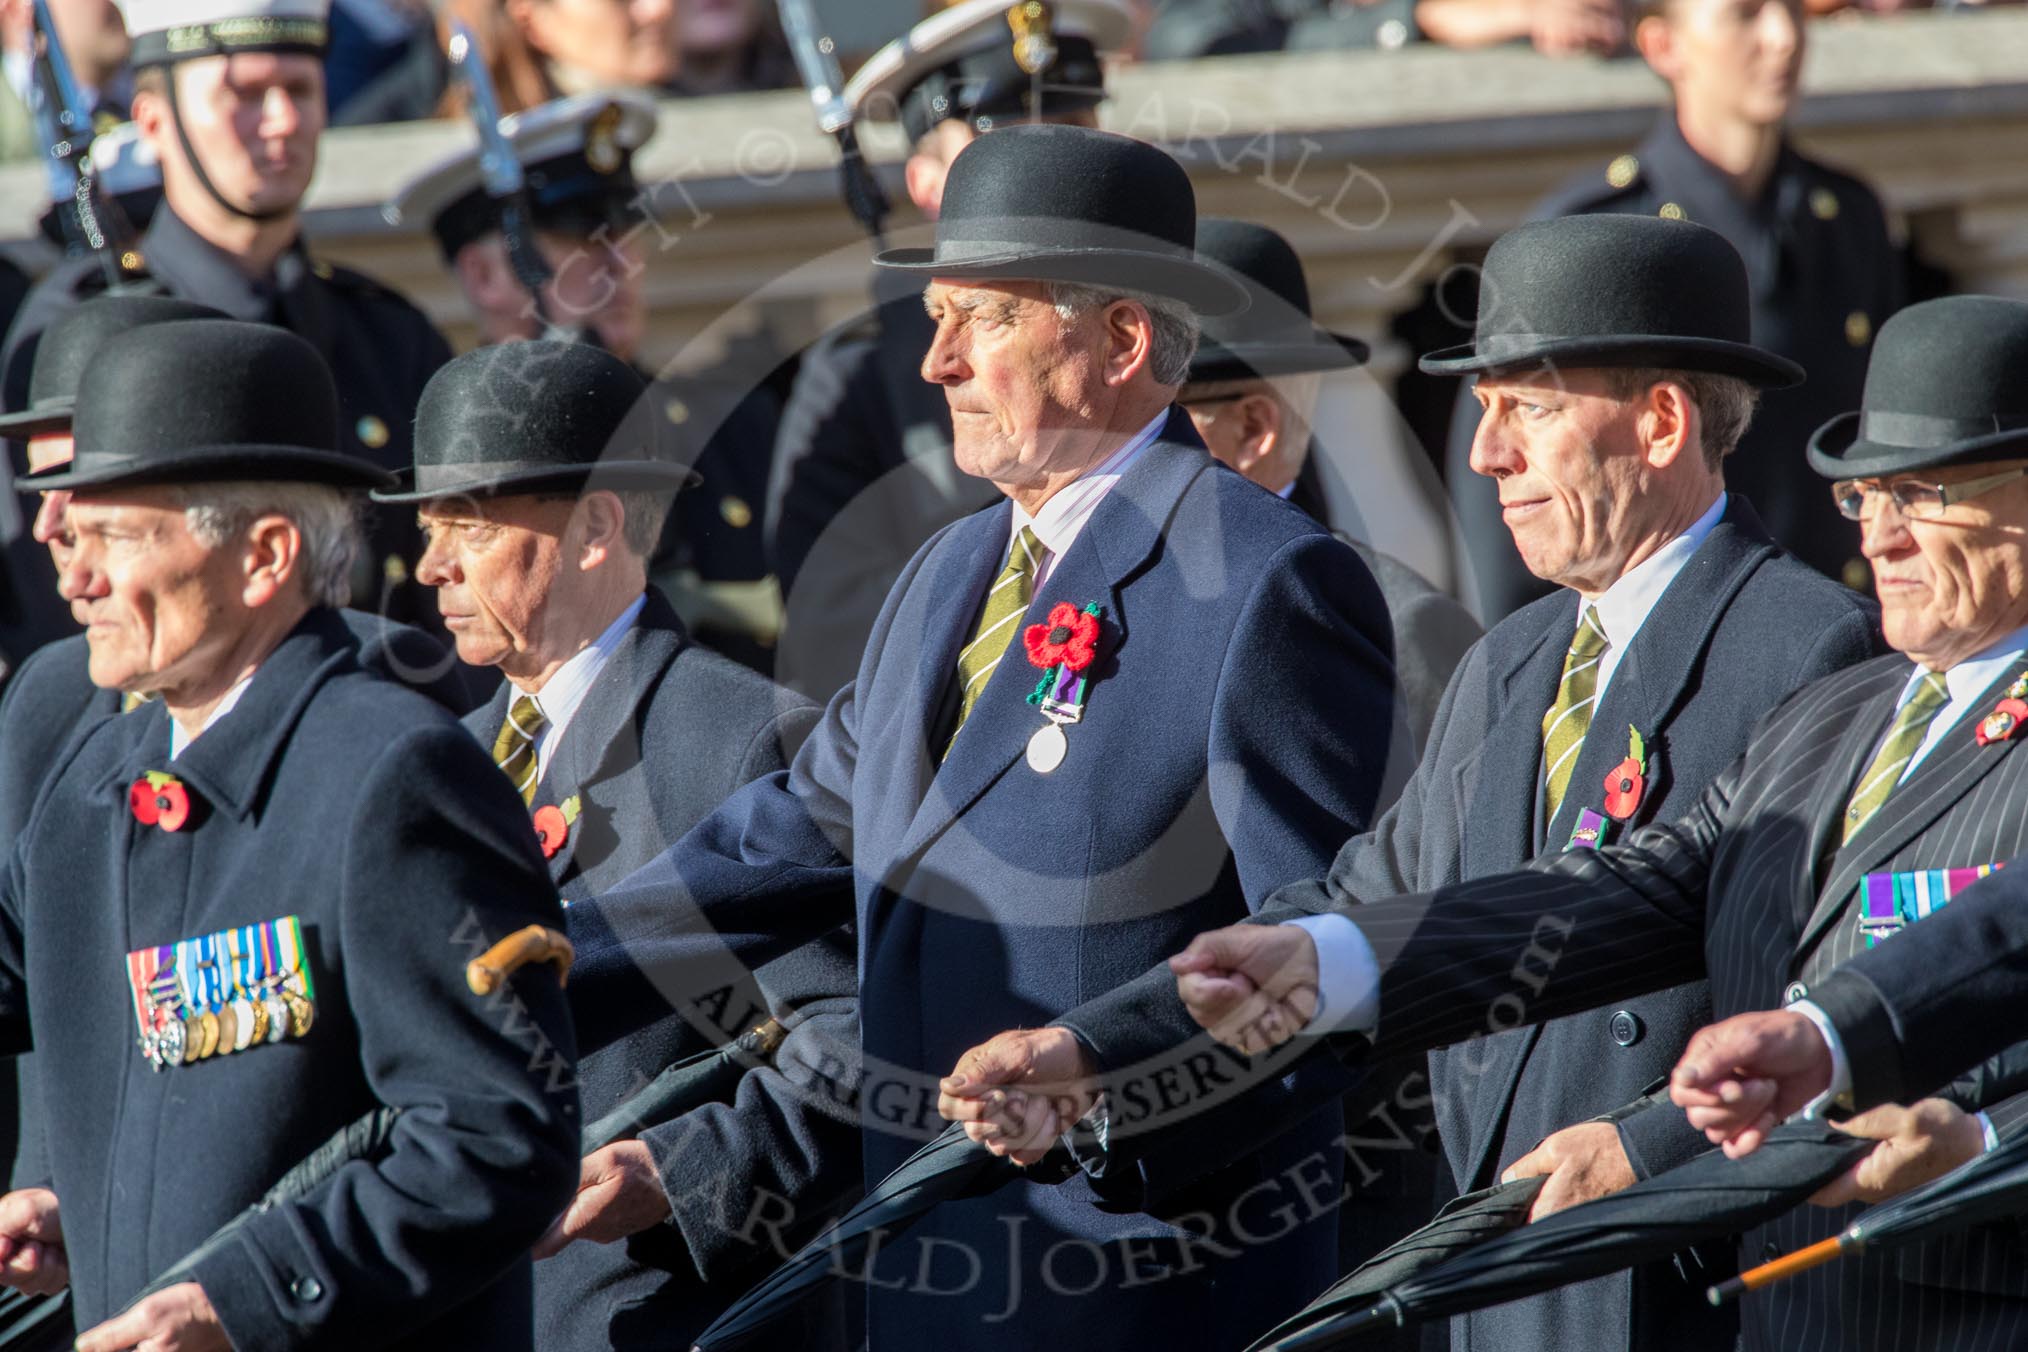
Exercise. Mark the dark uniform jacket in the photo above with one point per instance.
(667, 731)
(1751, 888)
(1823, 275)
(381, 351)
(1236, 727)
(863, 475)
(404, 853)
(1739, 628)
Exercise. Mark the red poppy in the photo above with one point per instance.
(159, 800)
(1623, 788)
(1070, 636)
(551, 829)
(2001, 724)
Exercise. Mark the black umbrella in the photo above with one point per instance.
(950, 1168)
(34, 1323)
(1462, 1223)
(711, 1076)
(1705, 1198)
(1991, 1186)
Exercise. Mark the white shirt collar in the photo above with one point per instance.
(1625, 605)
(179, 741)
(1061, 518)
(564, 693)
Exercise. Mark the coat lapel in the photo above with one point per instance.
(1499, 828)
(608, 720)
(1943, 779)
(1123, 532)
(1873, 705)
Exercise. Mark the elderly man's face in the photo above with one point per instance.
(1569, 467)
(1951, 585)
(51, 528)
(495, 564)
(158, 605)
(1019, 378)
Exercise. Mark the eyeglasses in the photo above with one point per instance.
(1858, 499)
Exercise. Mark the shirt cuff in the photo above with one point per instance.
(1348, 976)
(1839, 1092)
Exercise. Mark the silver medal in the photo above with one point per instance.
(169, 1041)
(1046, 748)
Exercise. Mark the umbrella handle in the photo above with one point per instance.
(1785, 1267)
(535, 943)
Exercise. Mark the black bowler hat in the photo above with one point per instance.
(1041, 202)
(1273, 336)
(68, 346)
(1944, 386)
(1588, 291)
(206, 401)
(536, 416)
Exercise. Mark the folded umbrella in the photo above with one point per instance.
(711, 1076)
(1703, 1199)
(1462, 1223)
(34, 1323)
(1985, 1188)
(950, 1168)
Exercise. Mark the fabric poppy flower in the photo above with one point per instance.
(1623, 787)
(158, 799)
(551, 829)
(1069, 636)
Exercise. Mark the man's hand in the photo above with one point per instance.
(1737, 1079)
(1916, 1144)
(1574, 27)
(179, 1319)
(32, 1256)
(1584, 1163)
(619, 1193)
(1252, 987)
(1018, 1091)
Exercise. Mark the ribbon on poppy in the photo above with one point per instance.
(1064, 647)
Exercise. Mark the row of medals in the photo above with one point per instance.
(188, 1038)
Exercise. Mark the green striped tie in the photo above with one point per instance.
(1911, 725)
(999, 623)
(514, 748)
(1563, 727)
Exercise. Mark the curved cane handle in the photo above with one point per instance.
(535, 943)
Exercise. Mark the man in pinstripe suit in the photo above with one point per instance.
(1610, 463)
(1844, 822)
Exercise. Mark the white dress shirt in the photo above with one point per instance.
(1967, 684)
(562, 694)
(1348, 975)
(1060, 520)
(179, 740)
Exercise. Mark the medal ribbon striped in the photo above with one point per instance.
(1890, 901)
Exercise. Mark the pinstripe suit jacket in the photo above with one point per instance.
(1753, 888)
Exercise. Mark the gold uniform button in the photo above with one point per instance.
(676, 411)
(1622, 170)
(1670, 212)
(393, 570)
(735, 511)
(372, 432)
(1857, 575)
(131, 261)
(1858, 328)
(1824, 204)
(321, 270)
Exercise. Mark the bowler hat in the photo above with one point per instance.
(534, 416)
(206, 401)
(67, 346)
(1043, 202)
(1943, 387)
(1274, 335)
(1615, 290)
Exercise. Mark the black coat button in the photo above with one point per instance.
(1625, 1027)
(1770, 1251)
(306, 1289)
(1796, 991)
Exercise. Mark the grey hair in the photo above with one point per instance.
(641, 528)
(325, 517)
(1725, 404)
(1175, 324)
